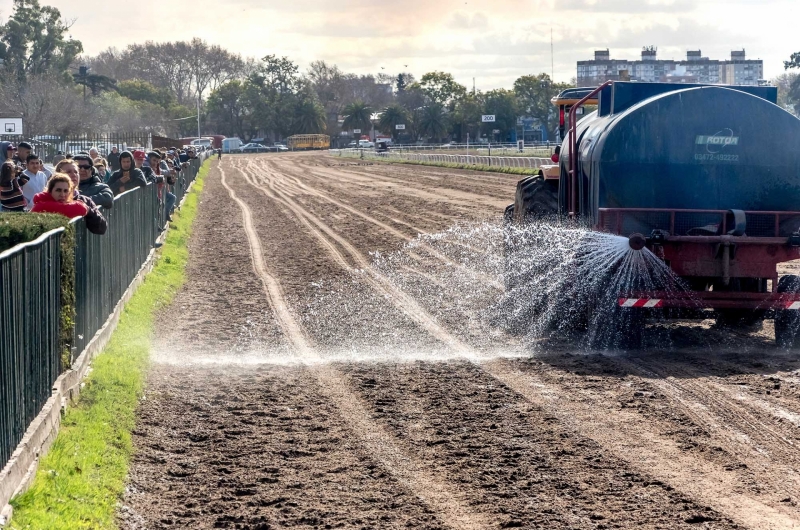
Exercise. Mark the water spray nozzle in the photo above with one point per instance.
(637, 241)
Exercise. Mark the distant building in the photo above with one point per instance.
(694, 69)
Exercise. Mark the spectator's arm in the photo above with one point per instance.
(105, 198)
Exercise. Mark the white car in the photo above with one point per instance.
(365, 144)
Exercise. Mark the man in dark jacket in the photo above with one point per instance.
(91, 185)
(128, 176)
(113, 158)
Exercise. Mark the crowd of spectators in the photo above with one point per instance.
(80, 184)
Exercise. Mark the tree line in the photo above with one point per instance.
(158, 87)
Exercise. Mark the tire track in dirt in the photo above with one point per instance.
(293, 183)
(399, 463)
(400, 299)
(629, 438)
(633, 440)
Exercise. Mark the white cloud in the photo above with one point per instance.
(495, 42)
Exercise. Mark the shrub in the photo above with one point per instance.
(16, 228)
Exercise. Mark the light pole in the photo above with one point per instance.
(198, 118)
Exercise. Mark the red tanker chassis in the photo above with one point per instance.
(708, 249)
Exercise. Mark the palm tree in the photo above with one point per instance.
(433, 121)
(309, 117)
(357, 115)
(392, 116)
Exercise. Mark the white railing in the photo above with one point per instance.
(505, 149)
(439, 158)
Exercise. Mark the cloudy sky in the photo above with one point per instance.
(493, 41)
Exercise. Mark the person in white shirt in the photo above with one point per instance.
(37, 180)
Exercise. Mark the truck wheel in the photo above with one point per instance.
(535, 199)
(741, 318)
(787, 321)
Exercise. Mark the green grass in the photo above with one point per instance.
(82, 478)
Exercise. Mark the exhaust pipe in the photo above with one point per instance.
(637, 241)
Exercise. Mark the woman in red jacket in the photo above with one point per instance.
(58, 198)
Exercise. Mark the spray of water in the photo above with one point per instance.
(564, 281)
(478, 281)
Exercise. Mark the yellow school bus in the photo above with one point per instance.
(308, 141)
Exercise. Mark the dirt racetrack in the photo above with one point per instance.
(325, 367)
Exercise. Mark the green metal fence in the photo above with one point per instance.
(30, 304)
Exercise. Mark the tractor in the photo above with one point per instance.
(706, 177)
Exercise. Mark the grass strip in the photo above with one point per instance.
(82, 478)
(469, 167)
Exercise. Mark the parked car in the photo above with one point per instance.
(254, 148)
(279, 147)
(365, 144)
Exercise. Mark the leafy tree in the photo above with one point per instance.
(785, 82)
(432, 121)
(794, 89)
(228, 111)
(534, 93)
(280, 73)
(466, 118)
(309, 115)
(441, 87)
(139, 90)
(96, 83)
(503, 104)
(392, 116)
(357, 115)
(403, 80)
(35, 41)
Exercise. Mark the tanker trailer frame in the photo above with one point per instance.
(726, 259)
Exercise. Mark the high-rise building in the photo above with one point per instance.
(694, 69)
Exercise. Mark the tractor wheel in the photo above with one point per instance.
(787, 321)
(535, 199)
(741, 318)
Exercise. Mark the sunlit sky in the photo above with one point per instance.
(493, 41)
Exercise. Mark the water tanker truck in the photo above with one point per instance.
(705, 177)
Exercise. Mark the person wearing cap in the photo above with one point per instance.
(139, 157)
(90, 183)
(128, 176)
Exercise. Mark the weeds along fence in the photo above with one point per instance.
(30, 299)
(438, 158)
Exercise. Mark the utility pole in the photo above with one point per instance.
(198, 116)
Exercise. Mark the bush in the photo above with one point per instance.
(16, 228)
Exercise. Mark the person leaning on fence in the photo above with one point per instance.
(37, 180)
(95, 222)
(128, 176)
(59, 198)
(162, 177)
(113, 159)
(90, 183)
(11, 196)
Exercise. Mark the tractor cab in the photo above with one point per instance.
(565, 100)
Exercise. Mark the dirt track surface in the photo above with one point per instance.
(326, 368)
